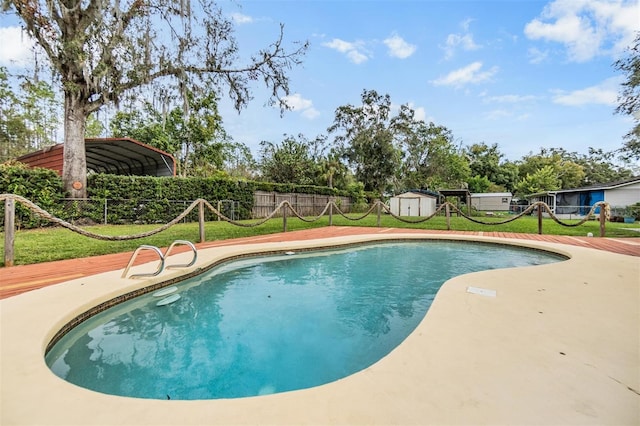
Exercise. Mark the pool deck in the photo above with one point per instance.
(557, 344)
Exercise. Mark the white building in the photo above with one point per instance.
(492, 201)
(567, 203)
(414, 203)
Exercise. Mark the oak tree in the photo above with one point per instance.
(101, 50)
(430, 156)
(364, 135)
(287, 162)
(566, 172)
(486, 161)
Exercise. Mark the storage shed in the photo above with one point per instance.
(121, 156)
(417, 202)
(492, 201)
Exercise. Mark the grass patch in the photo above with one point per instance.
(55, 243)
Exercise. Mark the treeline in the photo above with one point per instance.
(369, 148)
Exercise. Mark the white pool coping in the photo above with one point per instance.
(549, 344)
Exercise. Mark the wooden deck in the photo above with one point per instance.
(19, 279)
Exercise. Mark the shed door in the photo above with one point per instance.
(409, 207)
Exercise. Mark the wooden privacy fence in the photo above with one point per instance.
(305, 204)
(283, 209)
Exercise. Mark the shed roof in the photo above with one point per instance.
(491, 194)
(121, 156)
(418, 192)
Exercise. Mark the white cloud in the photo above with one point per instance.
(420, 114)
(605, 93)
(398, 47)
(15, 48)
(471, 74)
(587, 28)
(310, 113)
(355, 51)
(466, 24)
(510, 99)
(239, 18)
(498, 114)
(464, 41)
(536, 55)
(457, 40)
(357, 57)
(297, 103)
(503, 114)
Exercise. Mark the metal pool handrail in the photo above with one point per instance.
(163, 257)
(146, 274)
(186, 243)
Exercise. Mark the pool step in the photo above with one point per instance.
(168, 300)
(165, 291)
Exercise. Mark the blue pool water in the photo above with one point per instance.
(270, 324)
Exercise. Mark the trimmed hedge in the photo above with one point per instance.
(41, 186)
(133, 199)
(147, 199)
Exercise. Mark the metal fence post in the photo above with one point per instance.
(201, 220)
(105, 211)
(9, 230)
(603, 220)
(379, 212)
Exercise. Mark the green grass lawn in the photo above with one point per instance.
(56, 243)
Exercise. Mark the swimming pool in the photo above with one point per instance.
(271, 324)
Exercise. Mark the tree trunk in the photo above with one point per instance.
(74, 168)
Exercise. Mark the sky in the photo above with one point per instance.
(521, 74)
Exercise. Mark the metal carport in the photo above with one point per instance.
(122, 156)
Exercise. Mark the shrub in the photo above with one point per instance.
(134, 199)
(39, 185)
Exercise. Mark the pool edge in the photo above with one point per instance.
(383, 393)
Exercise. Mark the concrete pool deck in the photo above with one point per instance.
(558, 344)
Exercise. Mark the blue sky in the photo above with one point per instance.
(522, 74)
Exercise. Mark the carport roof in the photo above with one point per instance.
(455, 193)
(121, 156)
(128, 157)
